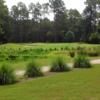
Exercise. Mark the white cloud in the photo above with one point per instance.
(74, 4)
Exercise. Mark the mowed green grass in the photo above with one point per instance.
(79, 84)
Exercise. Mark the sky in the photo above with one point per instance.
(74, 4)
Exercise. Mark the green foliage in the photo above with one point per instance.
(59, 65)
(94, 38)
(7, 75)
(68, 25)
(82, 61)
(93, 53)
(22, 52)
(91, 15)
(81, 52)
(3, 14)
(33, 70)
(12, 57)
(70, 36)
(72, 54)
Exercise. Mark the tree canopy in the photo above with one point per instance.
(32, 24)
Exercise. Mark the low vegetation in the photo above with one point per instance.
(72, 54)
(62, 86)
(7, 75)
(81, 61)
(33, 70)
(21, 54)
(59, 65)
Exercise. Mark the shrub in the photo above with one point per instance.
(55, 49)
(12, 57)
(66, 48)
(50, 49)
(93, 54)
(70, 36)
(79, 48)
(59, 65)
(7, 75)
(82, 61)
(62, 48)
(33, 70)
(72, 54)
(81, 52)
(25, 57)
(94, 38)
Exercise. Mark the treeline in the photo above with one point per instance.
(32, 24)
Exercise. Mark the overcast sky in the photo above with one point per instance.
(74, 4)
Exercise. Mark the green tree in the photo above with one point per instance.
(91, 16)
(20, 15)
(74, 22)
(45, 10)
(14, 12)
(23, 11)
(60, 19)
(3, 14)
(36, 10)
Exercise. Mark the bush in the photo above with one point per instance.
(70, 36)
(82, 52)
(66, 48)
(55, 49)
(7, 75)
(72, 54)
(12, 57)
(62, 48)
(33, 70)
(59, 65)
(93, 54)
(82, 62)
(94, 38)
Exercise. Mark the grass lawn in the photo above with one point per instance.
(79, 84)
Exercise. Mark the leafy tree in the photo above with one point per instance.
(31, 9)
(45, 9)
(20, 15)
(3, 14)
(14, 12)
(91, 16)
(36, 10)
(60, 18)
(31, 24)
(23, 11)
(74, 21)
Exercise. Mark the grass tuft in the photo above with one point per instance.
(59, 65)
(33, 70)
